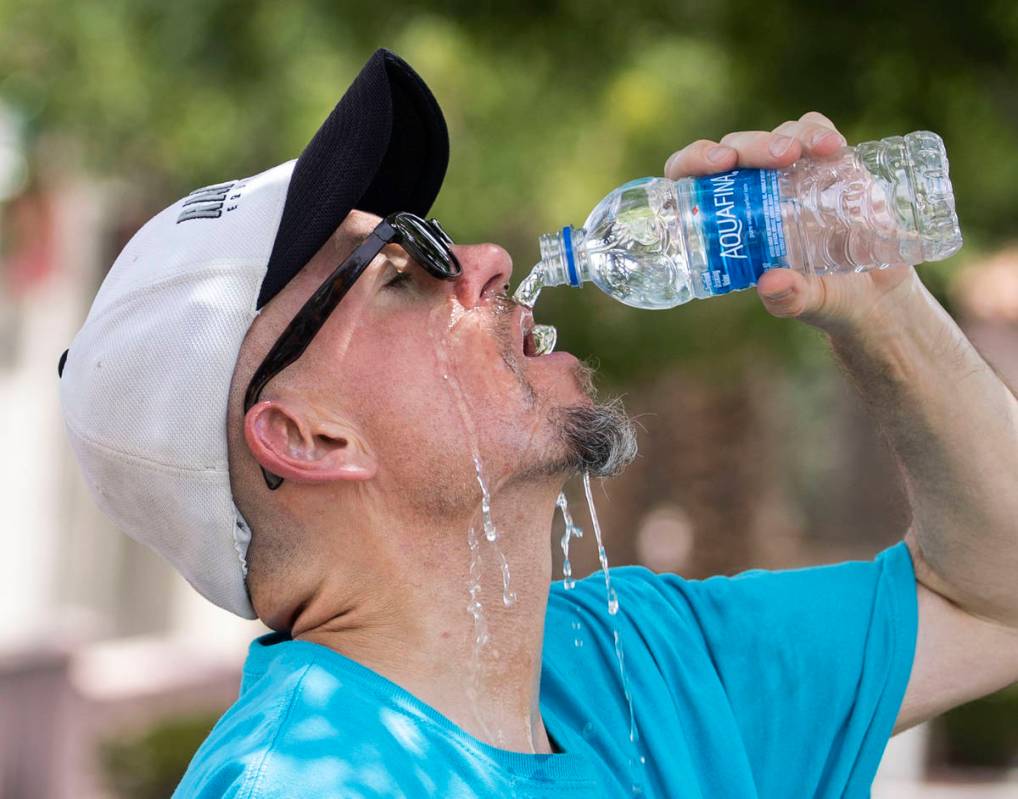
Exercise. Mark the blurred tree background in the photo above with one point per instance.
(550, 105)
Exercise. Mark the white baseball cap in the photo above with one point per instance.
(145, 383)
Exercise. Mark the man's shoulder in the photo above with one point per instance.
(638, 591)
(308, 722)
(231, 762)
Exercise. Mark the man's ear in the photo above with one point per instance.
(299, 446)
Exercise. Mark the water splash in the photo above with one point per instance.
(481, 637)
(613, 599)
(489, 525)
(492, 534)
(571, 531)
(620, 657)
(577, 629)
(508, 595)
(474, 606)
(545, 338)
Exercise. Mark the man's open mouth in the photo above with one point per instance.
(525, 331)
(529, 347)
(533, 340)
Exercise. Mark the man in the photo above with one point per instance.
(307, 401)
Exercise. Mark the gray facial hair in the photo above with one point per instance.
(599, 438)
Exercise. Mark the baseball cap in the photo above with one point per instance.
(144, 386)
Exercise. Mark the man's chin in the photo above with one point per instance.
(583, 373)
(592, 436)
(598, 437)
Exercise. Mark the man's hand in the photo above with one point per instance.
(835, 303)
(951, 421)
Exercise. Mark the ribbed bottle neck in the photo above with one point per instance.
(562, 258)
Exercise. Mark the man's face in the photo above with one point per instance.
(434, 372)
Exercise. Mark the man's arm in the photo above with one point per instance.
(951, 421)
(953, 425)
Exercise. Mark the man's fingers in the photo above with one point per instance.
(703, 157)
(812, 134)
(816, 118)
(763, 150)
(787, 293)
(815, 132)
(816, 138)
(789, 128)
(820, 140)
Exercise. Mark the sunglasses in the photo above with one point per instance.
(423, 240)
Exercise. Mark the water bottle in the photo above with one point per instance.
(657, 243)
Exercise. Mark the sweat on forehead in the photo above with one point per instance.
(344, 240)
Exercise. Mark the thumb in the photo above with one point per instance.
(790, 294)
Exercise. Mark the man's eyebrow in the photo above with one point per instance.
(355, 242)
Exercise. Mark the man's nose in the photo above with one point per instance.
(486, 271)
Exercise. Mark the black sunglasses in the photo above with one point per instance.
(423, 240)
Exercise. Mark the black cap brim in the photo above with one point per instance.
(384, 148)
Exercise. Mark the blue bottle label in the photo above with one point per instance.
(739, 214)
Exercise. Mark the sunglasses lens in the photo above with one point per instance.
(442, 235)
(429, 245)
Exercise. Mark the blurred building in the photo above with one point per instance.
(100, 636)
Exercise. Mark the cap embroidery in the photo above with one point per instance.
(209, 202)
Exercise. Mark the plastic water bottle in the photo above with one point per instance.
(657, 243)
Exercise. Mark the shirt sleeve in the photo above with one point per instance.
(814, 663)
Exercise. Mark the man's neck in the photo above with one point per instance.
(414, 623)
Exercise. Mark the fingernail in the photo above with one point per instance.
(779, 145)
(670, 162)
(828, 136)
(718, 154)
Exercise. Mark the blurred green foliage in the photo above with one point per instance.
(983, 733)
(550, 105)
(149, 765)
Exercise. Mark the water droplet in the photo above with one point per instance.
(474, 606)
(613, 606)
(489, 525)
(508, 595)
(571, 531)
(613, 602)
(545, 337)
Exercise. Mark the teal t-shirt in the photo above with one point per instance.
(767, 684)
